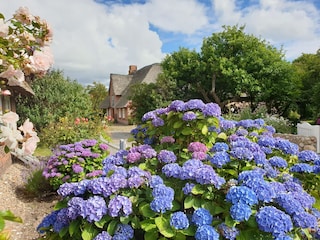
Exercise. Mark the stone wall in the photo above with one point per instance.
(304, 142)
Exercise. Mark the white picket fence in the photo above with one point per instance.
(306, 129)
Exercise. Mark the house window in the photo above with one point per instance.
(5, 104)
(119, 113)
(123, 113)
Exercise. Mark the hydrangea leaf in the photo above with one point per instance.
(146, 210)
(190, 231)
(177, 124)
(204, 130)
(148, 225)
(88, 231)
(151, 235)
(74, 227)
(188, 202)
(222, 136)
(112, 226)
(164, 227)
(187, 131)
(198, 190)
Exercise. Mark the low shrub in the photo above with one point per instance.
(75, 162)
(70, 130)
(194, 175)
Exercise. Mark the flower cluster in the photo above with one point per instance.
(25, 46)
(74, 162)
(205, 178)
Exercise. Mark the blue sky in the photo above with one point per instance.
(93, 38)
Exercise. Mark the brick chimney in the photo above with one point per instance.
(132, 69)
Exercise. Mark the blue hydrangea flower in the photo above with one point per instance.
(211, 110)
(220, 158)
(66, 189)
(274, 221)
(304, 198)
(123, 232)
(161, 204)
(171, 170)
(62, 220)
(103, 236)
(308, 156)
(179, 220)
(240, 212)
(207, 175)
(289, 203)
(188, 188)
(277, 161)
(228, 232)
(166, 156)
(267, 141)
(227, 124)
(157, 122)
(202, 216)
(177, 106)
(283, 237)
(48, 221)
(206, 232)
(302, 168)
(189, 116)
(241, 153)
(94, 209)
(246, 123)
(286, 146)
(241, 194)
(305, 220)
(163, 191)
(219, 146)
(119, 206)
(264, 191)
(155, 180)
(76, 206)
(194, 104)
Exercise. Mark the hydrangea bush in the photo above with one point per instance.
(75, 162)
(192, 174)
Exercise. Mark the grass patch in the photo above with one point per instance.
(42, 151)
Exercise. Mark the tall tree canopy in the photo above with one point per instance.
(232, 64)
(307, 68)
(97, 92)
(55, 97)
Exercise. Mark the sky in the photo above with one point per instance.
(94, 38)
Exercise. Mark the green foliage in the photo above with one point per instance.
(232, 64)
(36, 185)
(7, 216)
(70, 130)
(55, 97)
(98, 93)
(146, 97)
(75, 162)
(307, 68)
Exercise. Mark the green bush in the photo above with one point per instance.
(71, 130)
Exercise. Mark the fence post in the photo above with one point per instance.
(122, 144)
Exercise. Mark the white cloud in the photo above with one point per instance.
(92, 40)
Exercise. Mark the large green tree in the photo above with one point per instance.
(55, 97)
(97, 92)
(147, 97)
(232, 64)
(307, 68)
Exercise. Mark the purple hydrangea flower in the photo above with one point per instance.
(197, 147)
(305, 220)
(103, 236)
(241, 153)
(77, 168)
(199, 155)
(119, 206)
(157, 122)
(227, 124)
(189, 116)
(166, 156)
(177, 106)
(194, 104)
(246, 123)
(179, 220)
(76, 207)
(66, 189)
(211, 110)
(94, 209)
(133, 157)
(167, 139)
(188, 188)
(172, 170)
